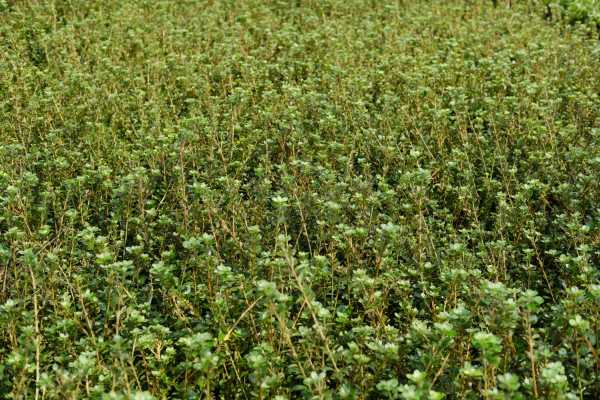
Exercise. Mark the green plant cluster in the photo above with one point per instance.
(575, 11)
(308, 199)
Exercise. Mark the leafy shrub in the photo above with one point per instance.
(339, 199)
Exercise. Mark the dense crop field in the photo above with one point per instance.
(333, 199)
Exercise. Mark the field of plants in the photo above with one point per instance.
(299, 199)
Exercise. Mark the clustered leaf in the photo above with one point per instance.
(334, 199)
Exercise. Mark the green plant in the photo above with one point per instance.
(337, 199)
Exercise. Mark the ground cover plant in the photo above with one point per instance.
(574, 11)
(338, 199)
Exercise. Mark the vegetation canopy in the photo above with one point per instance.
(299, 199)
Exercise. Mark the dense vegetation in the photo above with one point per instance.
(338, 199)
(574, 11)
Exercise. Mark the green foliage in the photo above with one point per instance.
(586, 12)
(338, 199)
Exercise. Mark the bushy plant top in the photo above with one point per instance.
(338, 199)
